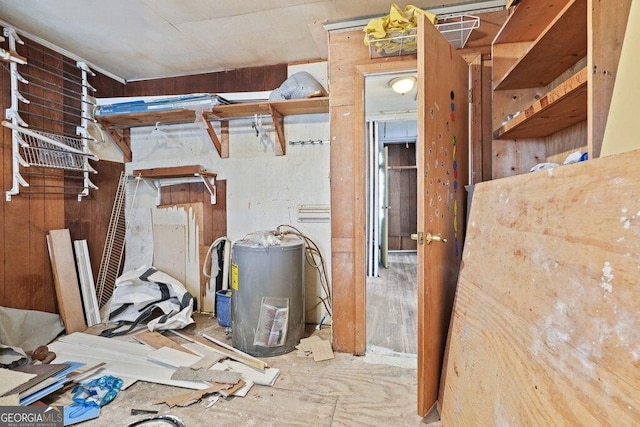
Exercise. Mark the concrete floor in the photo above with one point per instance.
(347, 390)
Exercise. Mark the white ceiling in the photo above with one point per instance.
(143, 39)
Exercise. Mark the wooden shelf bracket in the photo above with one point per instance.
(221, 144)
(278, 123)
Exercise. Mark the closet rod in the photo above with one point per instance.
(65, 107)
(45, 176)
(48, 118)
(70, 135)
(75, 98)
(31, 78)
(53, 72)
(51, 55)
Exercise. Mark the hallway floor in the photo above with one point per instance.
(392, 306)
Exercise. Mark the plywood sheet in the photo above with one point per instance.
(621, 133)
(66, 280)
(169, 250)
(546, 327)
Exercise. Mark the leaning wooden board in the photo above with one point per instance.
(546, 324)
(63, 264)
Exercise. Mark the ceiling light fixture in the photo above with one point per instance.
(403, 84)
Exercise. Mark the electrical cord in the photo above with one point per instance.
(314, 259)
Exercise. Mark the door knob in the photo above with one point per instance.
(434, 238)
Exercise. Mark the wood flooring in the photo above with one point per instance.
(392, 305)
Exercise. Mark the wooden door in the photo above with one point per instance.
(442, 162)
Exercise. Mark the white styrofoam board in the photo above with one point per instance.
(123, 348)
(121, 364)
(172, 357)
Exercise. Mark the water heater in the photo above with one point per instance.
(267, 303)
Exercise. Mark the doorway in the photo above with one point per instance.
(391, 187)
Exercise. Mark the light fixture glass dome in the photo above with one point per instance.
(402, 84)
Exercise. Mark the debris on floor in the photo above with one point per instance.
(203, 368)
(316, 347)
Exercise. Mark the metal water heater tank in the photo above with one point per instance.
(267, 303)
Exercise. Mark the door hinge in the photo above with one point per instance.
(470, 96)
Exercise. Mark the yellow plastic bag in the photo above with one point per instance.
(399, 22)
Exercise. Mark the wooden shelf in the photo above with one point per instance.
(527, 19)
(562, 107)
(131, 120)
(285, 108)
(118, 125)
(177, 175)
(173, 172)
(559, 46)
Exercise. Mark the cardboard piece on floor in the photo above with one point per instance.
(188, 398)
(241, 389)
(267, 377)
(321, 351)
(65, 278)
(156, 340)
(305, 343)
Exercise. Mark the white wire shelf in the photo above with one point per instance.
(456, 30)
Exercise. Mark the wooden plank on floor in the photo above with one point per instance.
(66, 280)
(156, 340)
(546, 326)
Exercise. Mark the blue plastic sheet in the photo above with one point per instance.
(89, 397)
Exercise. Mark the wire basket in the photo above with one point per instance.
(394, 44)
(458, 29)
(37, 152)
